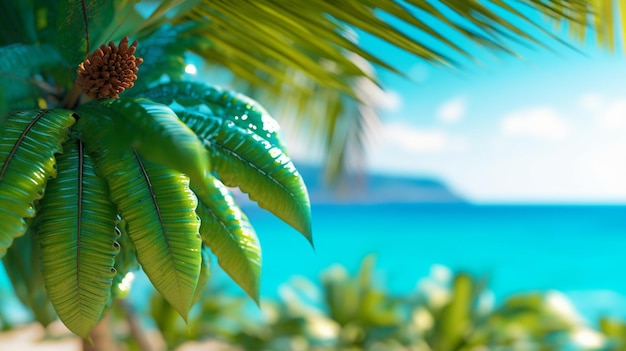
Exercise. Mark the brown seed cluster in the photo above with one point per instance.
(109, 70)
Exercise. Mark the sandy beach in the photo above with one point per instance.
(34, 337)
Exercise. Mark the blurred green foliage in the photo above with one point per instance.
(447, 312)
(349, 312)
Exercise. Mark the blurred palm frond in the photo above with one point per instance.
(302, 54)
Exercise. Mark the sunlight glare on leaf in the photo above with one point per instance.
(191, 69)
(126, 282)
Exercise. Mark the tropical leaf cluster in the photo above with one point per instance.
(81, 181)
(93, 189)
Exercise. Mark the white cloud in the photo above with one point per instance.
(588, 168)
(608, 113)
(541, 122)
(605, 164)
(591, 101)
(408, 149)
(452, 110)
(413, 140)
(568, 171)
(613, 114)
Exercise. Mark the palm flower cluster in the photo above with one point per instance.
(109, 70)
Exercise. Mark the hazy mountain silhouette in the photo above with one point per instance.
(377, 188)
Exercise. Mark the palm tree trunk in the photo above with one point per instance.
(102, 338)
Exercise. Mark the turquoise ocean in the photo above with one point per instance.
(578, 250)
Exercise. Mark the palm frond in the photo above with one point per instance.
(603, 19)
(304, 35)
(77, 255)
(24, 172)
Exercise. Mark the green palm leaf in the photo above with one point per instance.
(81, 23)
(163, 54)
(151, 128)
(243, 159)
(238, 108)
(227, 231)
(20, 62)
(27, 147)
(604, 18)
(23, 268)
(76, 231)
(159, 210)
(25, 60)
(205, 274)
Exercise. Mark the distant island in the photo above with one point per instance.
(378, 189)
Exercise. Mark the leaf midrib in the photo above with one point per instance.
(19, 141)
(249, 267)
(79, 222)
(232, 153)
(86, 19)
(153, 195)
(222, 224)
(158, 211)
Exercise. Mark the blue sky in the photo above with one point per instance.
(549, 127)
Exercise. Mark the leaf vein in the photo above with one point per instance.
(86, 25)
